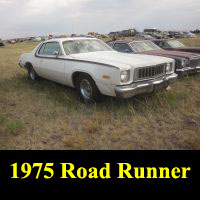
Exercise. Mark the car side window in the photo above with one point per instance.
(122, 47)
(41, 51)
(49, 48)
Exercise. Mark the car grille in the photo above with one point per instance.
(150, 72)
(195, 63)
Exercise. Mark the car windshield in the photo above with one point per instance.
(141, 46)
(175, 44)
(85, 46)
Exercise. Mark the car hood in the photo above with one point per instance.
(195, 49)
(121, 60)
(171, 54)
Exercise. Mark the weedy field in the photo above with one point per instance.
(46, 115)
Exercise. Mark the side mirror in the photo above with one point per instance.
(56, 53)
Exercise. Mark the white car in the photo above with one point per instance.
(95, 69)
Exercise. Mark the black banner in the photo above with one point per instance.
(99, 167)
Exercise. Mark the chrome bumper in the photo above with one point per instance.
(188, 70)
(143, 87)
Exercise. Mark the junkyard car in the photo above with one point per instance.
(1, 43)
(175, 45)
(141, 36)
(185, 62)
(95, 69)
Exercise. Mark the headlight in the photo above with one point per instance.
(184, 62)
(169, 67)
(125, 76)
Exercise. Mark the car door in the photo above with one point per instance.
(51, 65)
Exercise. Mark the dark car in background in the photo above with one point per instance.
(1, 43)
(141, 36)
(175, 45)
(175, 34)
(185, 62)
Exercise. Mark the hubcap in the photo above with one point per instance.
(32, 74)
(86, 89)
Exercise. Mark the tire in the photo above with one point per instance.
(32, 74)
(87, 89)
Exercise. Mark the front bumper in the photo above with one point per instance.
(188, 70)
(143, 87)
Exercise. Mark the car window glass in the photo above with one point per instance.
(41, 51)
(122, 47)
(85, 46)
(50, 48)
(175, 44)
(163, 45)
(142, 46)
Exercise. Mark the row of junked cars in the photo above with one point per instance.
(118, 69)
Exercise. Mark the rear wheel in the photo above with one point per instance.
(87, 89)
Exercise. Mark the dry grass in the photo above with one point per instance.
(45, 115)
(192, 42)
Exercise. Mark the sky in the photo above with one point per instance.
(23, 18)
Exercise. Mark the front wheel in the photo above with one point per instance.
(32, 74)
(87, 89)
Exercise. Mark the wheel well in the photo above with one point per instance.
(28, 65)
(75, 75)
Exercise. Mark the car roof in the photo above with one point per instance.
(163, 39)
(129, 41)
(69, 39)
